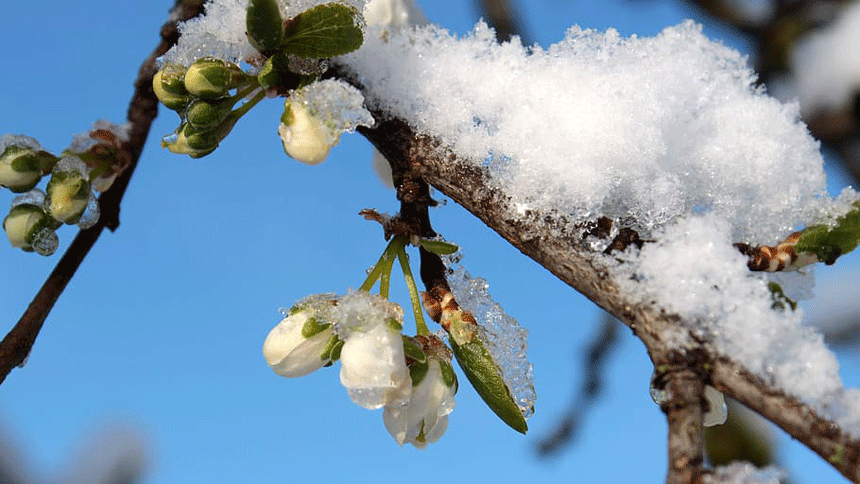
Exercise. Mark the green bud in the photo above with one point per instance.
(210, 78)
(276, 72)
(204, 115)
(28, 227)
(20, 168)
(169, 86)
(68, 192)
(186, 141)
(485, 376)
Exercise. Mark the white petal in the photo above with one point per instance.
(289, 353)
(373, 368)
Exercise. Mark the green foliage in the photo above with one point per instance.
(486, 377)
(324, 31)
(264, 25)
(828, 243)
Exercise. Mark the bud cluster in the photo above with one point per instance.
(291, 55)
(410, 377)
(89, 165)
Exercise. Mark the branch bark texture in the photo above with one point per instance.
(142, 110)
(572, 262)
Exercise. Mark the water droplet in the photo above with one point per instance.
(657, 390)
(34, 197)
(91, 213)
(45, 241)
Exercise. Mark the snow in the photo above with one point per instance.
(669, 134)
(826, 63)
(745, 473)
(642, 128)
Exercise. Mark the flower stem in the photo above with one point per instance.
(382, 269)
(417, 309)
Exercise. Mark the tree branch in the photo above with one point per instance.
(570, 260)
(142, 109)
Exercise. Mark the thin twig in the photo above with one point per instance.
(142, 109)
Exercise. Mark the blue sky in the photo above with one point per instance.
(160, 331)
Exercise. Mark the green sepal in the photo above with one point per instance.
(332, 349)
(438, 247)
(211, 78)
(394, 324)
(779, 297)
(312, 327)
(448, 375)
(828, 243)
(486, 377)
(205, 115)
(417, 372)
(324, 31)
(77, 190)
(413, 351)
(264, 25)
(276, 73)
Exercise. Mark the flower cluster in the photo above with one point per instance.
(89, 165)
(411, 378)
(289, 55)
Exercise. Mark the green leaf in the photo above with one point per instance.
(265, 27)
(438, 246)
(828, 243)
(486, 377)
(412, 350)
(324, 31)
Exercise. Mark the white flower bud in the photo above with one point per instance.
(373, 367)
(68, 190)
(425, 417)
(29, 228)
(297, 345)
(304, 136)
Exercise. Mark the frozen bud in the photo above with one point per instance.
(189, 141)
(424, 418)
(373, 367)
(300, 344)
(28, 227)
(203, 115)
(316, 115)
(210, 78)
(169, 86)
(22, 162)
(68, 190)
(304, 136)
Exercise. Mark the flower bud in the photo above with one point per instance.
(304, 136)
(210, 78)
(28, 227)
(169, 86)
(425, 417)
(188, 141)
(68, 190)
(300, 344)
(203, 115)
(23, 162)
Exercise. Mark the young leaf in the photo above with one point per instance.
(828, 243)
(486, 377)
(324, 31)
(438, 246)
(265, 28)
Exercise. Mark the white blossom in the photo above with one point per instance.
(290, 352)
(373, 367)
(424, 418)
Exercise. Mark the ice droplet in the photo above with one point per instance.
(91, 213)
(33, 197)
(45, 241)
(504, 338)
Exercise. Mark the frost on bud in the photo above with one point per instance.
(316, 115)
(300, 344)
(28, 227)
(424, 418)
(373, 362)
(169, 86)
(210, 78)
(22, 162)
(68, 190)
